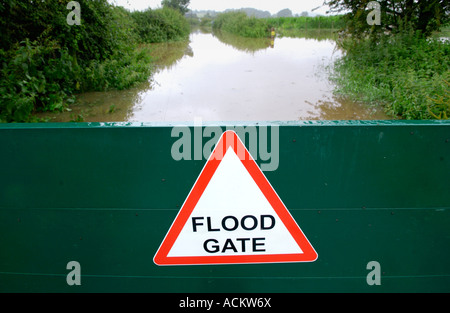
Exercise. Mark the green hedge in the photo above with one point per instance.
(238, 23)
(405, 73)
(160, 25)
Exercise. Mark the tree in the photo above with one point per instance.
(180, 5)
(284, 13)
(396, 15)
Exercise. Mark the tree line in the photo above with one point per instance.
(396, 16)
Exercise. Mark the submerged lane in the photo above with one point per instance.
(217, 77)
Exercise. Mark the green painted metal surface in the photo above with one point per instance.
(105, 195)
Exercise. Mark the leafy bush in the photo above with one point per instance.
(160, 25)
(206, 21)
(119, 72)
(406, 73)
(306, 22)
(44, 61)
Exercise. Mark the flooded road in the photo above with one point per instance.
(220, 77)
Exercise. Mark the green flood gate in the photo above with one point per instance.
(85, 207)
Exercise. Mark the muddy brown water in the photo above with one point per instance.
(220, 77)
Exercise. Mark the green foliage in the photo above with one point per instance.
(249, 45)
(34, 77)
(160, 25)
(406, 73)
(44, 61)
(238, 23)
(306, 22)
(439, 106)
(206, 21)
(96, 38)
(393, 64)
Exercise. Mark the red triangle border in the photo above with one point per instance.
(231, 139)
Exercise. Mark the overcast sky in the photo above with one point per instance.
(273, 6)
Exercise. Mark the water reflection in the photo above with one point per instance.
(249, 45)
(221, 77)
(340, 108)
(316, 34)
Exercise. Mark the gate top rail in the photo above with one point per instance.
(229, 123)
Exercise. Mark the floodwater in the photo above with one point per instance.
(221, 77)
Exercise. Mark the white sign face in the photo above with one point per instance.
(233, 215)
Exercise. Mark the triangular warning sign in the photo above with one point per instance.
(233, 216)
